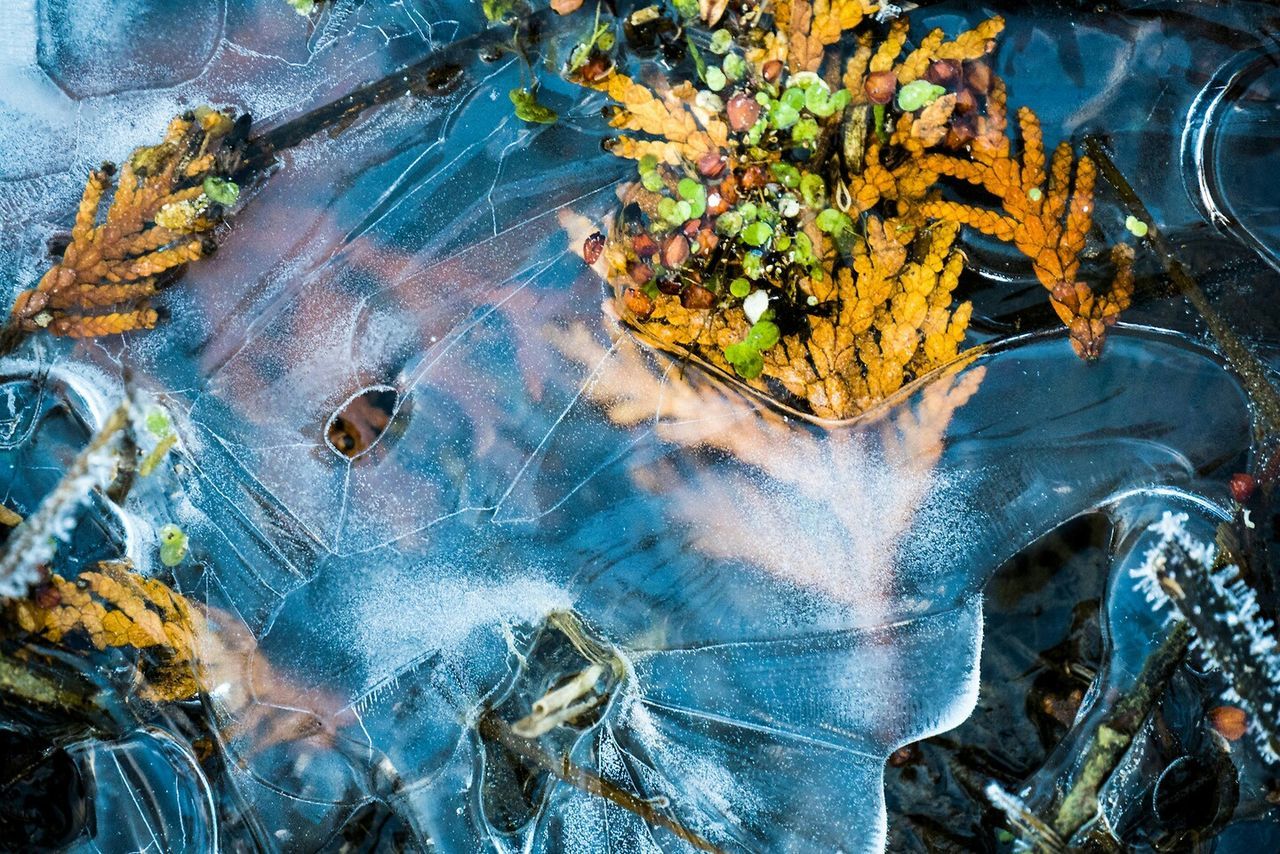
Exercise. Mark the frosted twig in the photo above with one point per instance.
(1030, 827)
(33, 542)
(1230, 629)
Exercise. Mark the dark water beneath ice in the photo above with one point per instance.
(782, 605)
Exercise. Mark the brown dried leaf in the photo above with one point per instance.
(931, 126)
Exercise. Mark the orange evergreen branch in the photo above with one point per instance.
(117, 608)
(167, 200)
(1046, 215)
(812, 26)
(680, 134)
(873, 77)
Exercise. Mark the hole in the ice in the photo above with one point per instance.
(359, 423)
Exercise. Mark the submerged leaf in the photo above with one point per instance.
(529, 109)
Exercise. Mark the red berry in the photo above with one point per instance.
(880, 86)
(1242, 486)
(743, 111)
(697, 297)
(675, 251)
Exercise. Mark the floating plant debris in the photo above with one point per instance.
(168, 199)
(854, 251)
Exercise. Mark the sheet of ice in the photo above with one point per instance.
(792, 602)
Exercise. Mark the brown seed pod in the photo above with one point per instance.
(754, 178)
(639, 273)
(977, 76)
(728, 189)
(1242, 486)
(708, 240)
(644, 245)
(1231, 722)
(717, 203)
(592, 247)
(596, 68)
(697, 297)
(712, 164)
(675, 250)
(945, 73)
(743, 111)
(637, 302)
(880, 87)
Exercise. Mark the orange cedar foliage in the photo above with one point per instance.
(884, 322)
(1046, 216)
(969, 45)
(907, 182)
(116, 608)
(811, 26)
(680, 133)
(154, 223)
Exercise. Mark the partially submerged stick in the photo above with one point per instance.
(1252, 371)
(494, 729)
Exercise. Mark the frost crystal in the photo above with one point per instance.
(34, 543)
(1223, 609)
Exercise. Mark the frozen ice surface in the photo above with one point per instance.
(787, 603)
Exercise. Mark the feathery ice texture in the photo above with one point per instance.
(1223, 610)
(32, 544)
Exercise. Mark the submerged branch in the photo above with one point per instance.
(438, 73)
(493, 728)
(1110, 740)
(1250, 368)
(18, 679)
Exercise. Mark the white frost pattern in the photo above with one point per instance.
(1230, 628)
(35, 541)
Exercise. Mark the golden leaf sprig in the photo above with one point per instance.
(753, 245)
(168, 198)
(1045, 214)
(115, 607)
(791, 224)
(804, 29)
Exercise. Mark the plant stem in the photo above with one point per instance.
(20, 680)
(439, 73)
(1110, 740)
(1252, 371)
(495, 729)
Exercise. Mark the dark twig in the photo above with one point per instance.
(439, 73)
(1251, 369)
(1110, 740)
(493, 728)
